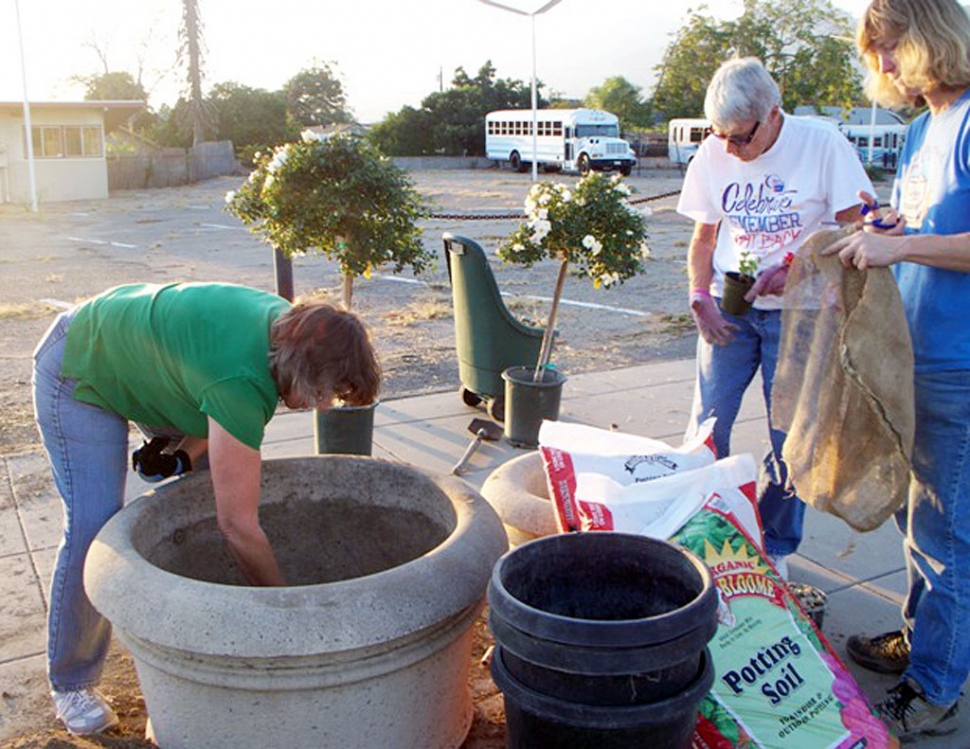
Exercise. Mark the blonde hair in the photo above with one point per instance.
(317, 351)
(931, 47)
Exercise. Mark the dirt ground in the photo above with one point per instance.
(70, 251)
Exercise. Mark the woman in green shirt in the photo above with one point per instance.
(207, 363)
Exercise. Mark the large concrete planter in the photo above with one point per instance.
(370, 645)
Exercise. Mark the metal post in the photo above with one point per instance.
(284, 275)
(535, 142)
(31, 175)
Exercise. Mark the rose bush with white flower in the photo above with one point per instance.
(591, 226)
(339, 196)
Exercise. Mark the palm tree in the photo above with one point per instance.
(190, 35)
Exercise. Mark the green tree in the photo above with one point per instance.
(114, 86)
(622, 98)
(453, 119)
(407, 132)
(252, 118)
(805, 45)
(315, 96)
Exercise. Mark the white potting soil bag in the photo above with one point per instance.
(600, 480)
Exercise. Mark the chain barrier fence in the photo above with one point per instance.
(522, 216)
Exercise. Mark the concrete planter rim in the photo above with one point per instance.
(116, 575)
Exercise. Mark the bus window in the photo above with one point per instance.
(607, 131)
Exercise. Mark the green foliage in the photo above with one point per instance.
(452, 122)
(339, 196)
(252, 118)
(748, 264)
(622, 98)
(806, 46)
(315, 96)
(407, 132)
(117, 86)
(591, 226)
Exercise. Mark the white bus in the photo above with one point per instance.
(570, 139)
(887, 142)
(684, 137)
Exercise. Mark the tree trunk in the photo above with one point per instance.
(545, 352)
(348, 291)
(192, 29)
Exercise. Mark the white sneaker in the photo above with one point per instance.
(780, 564)
(84, 711)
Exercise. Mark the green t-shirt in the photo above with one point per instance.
(171, 356)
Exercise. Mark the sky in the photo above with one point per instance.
(388, 53)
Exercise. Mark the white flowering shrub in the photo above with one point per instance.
(339, 196)
(592, 226)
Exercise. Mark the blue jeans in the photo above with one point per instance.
(88, 451)
(723, 375)
(936, 527)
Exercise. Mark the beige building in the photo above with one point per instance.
(68, 143)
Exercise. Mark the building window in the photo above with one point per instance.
(66, 141)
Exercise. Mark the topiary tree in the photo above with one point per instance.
(591, 225)
(339, 196)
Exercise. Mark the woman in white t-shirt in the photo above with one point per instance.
(760, 186)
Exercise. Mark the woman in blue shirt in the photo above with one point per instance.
(918, 52)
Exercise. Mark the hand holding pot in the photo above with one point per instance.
(770, 282)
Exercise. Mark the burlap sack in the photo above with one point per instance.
(843, 389)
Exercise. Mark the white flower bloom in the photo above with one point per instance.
(588, 241)
(230, 196)
(270, 179)
(645, 251)
(567, 196)
(308, 136)
(544, 198)
(518, 247)
(544, 214)
(539, 230)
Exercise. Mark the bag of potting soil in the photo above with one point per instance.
(600, 480)
(779, 684)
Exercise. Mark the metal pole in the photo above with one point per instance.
(872, 131)
(535, 144)
(31, 175)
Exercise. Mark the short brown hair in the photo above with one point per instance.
(932, 46)
(317, 350)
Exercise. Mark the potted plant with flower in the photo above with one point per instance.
(592, 228)
(738, 283)
(341, 197)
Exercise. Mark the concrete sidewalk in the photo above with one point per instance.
(861, 573)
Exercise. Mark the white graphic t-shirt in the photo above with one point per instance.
(769, 206)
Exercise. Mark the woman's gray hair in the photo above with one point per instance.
(740, 90)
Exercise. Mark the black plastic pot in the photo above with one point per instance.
(528, 402)
(735, 287)
(534, 719)
(344, 430)
(591, 625)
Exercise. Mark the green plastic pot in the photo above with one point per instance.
(528, 402)
(344, 430)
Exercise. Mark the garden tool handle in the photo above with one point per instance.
(469, 451)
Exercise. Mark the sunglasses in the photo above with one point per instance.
(740, 140)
